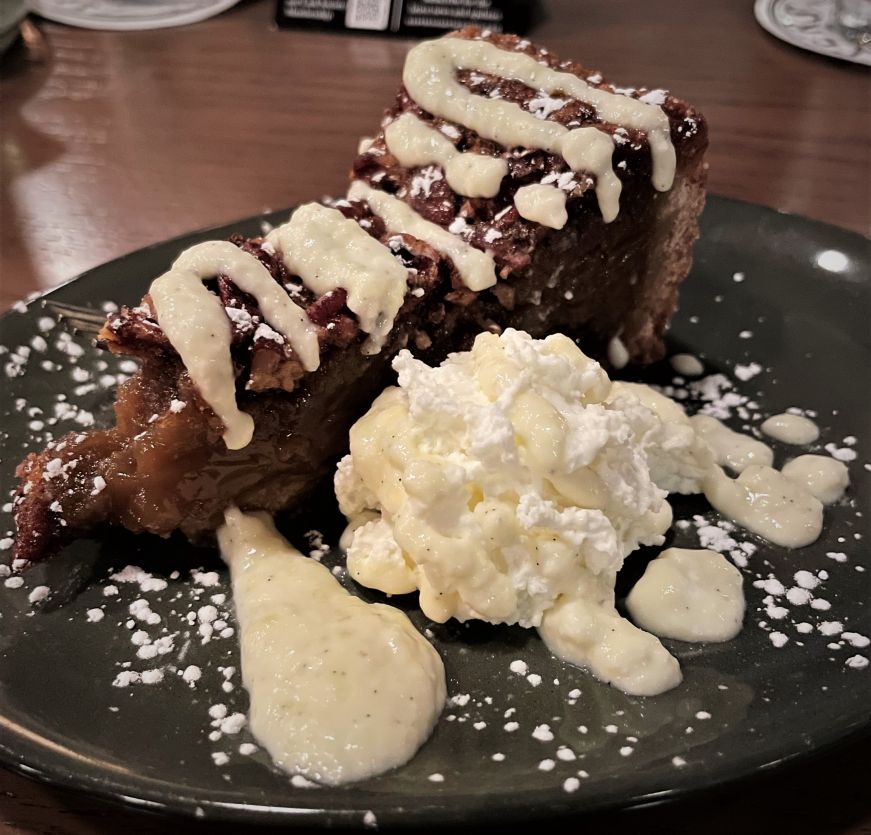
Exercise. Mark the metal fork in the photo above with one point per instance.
(84, 320)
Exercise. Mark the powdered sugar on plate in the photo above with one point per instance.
(174, 633)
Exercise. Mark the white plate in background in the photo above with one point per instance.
(810, 24)
(129, 15)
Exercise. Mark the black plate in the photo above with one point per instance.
(809, 329)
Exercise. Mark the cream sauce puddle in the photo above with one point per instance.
(340, 689)
(791, 429)
(731, 449)
(783, 507)
(586, 630)
(768, 503)
(690, 595)
(826, 478)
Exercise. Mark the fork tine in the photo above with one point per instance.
(80, 319)
(71, 311)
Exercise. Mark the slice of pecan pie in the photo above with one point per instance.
(505, 188)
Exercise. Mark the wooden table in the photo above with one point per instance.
(111, 141)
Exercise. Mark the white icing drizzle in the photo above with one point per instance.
(589, 149)
(690, 595)
(429, 77)
(791, 429)
(476, 268)
(542, 204)
(197, 326)
(618, 353)
(415, 144)
(825, 477)
(330, 251)
(731, 449)
(340, 689)
(327, 250)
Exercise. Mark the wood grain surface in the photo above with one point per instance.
(112, 141)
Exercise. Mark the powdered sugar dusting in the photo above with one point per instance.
(180, 635)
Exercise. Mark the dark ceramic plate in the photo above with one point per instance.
(744, 706)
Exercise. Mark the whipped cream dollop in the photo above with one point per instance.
(498, 481)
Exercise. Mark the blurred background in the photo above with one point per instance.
(115, 138)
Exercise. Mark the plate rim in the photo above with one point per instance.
(397, 816)
(131, 795)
